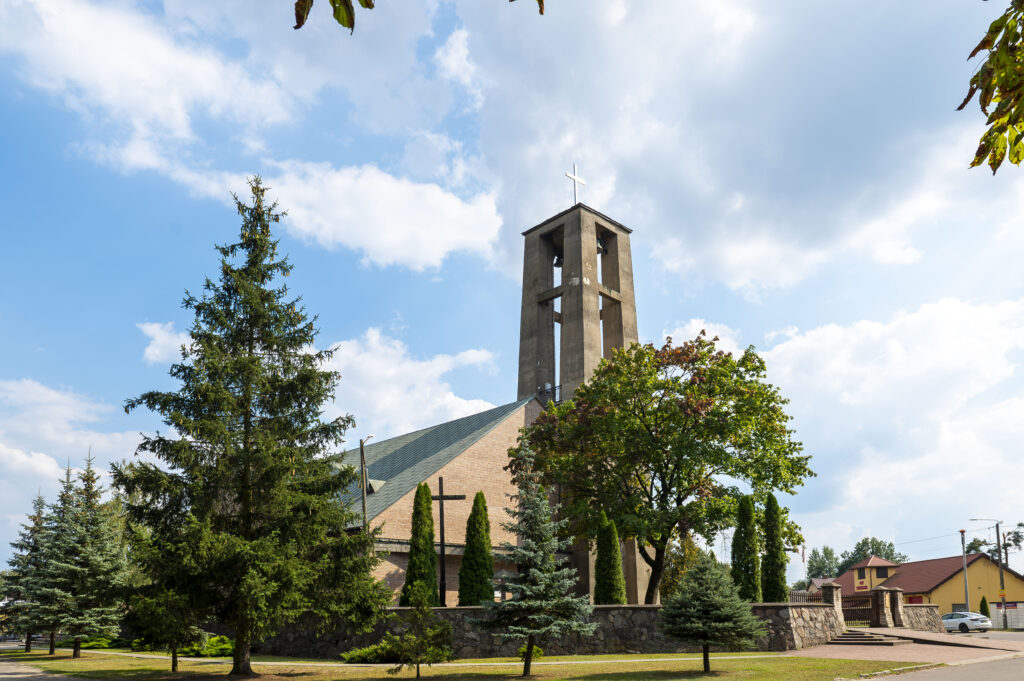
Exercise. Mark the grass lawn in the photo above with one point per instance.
(777, 668)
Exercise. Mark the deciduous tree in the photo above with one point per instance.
(681, 554)
(542, 603)
(250, 489)
(422, 568)
(476, 574)
(745, 561)
(654, 432)
(866, 547)
(708, 611)
(823, 563)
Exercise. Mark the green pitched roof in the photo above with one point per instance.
(397, 465)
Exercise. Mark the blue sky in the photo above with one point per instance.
(795, 174)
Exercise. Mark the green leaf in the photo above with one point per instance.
(344, 13)
(997, 154)
(367, 4)
(302, 8)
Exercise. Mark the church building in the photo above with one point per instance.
(578, 305)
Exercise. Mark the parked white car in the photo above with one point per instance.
(966, 621)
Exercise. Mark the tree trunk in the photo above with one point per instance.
(528, 657)
(240, 661)
(657, 570)
(28, 641)
(174, 658)
(77, 651)
(707, 660)
(417, 670)
(53, 642)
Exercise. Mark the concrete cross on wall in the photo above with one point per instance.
(576, 182)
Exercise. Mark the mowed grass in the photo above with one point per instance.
(626, 668)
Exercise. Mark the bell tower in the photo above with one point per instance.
(578, 302)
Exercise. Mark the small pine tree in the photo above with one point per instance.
(24, 582)
(679, 556)
(609, 584)
(85, 565)
(422, 557)
(745, 572)
(542, 603)
(983, 607)
(773, 567)
(164, 618)
(424, 639)
(476, 574)
(708, 611)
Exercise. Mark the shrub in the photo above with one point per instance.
(378, 653)
(609, 586)
(983, 608)
(538, 653)
(215, 646)
(94, 643)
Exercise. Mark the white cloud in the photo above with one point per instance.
(728, 338)
(909, 420)
(164, 342)
(391, 392)
(31, 467)
(454, 63)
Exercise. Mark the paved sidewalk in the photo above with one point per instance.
(12, 671)
(911, 652)
(950, 639)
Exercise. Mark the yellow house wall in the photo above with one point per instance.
(982, 580)
(871, 579)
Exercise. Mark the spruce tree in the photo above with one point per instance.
(745, 572)
(609, 584)
(24, 582)
(422, 568)
(773, 566)
(708, 611)
(424, 638)
(84, 566)
(542, 603)
(476, 574)
(249, 488)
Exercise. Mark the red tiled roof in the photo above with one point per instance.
(923, 576)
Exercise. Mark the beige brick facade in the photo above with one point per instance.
(478, 468)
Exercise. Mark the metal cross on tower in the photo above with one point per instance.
(576, 182)
(441, 497)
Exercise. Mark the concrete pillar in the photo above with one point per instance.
(881, 616)
(896, 606)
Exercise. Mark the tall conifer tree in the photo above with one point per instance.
(476, 574)
(773, 566)
(609, 584)
(422, 568)
(25, 580)
(248, 490)
(745, 570)
(543, 604)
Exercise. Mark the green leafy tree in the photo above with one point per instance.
(999, 84)
(424, 638)
(345, 13)
(983, 607)
(422, 567)
(542, 603)
(249, 490)
(867, 547)
(823, 563)
(708, 611)
(24, 582)
(775, 561)
(476, 574)
(609, 584)
(746, 572)
(84, 564)
(680, 557)
(653, 434)
(1012, 539)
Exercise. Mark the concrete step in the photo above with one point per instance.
(863, 638)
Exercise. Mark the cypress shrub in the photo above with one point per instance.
(422, 567)
(745, 572)
(773, 567)
(609, 584)
(476, 574)
(983, 608)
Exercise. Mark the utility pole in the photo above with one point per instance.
(362, 477)
(963, 549)
(999, 553)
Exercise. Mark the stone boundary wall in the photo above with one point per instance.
(923, 617)
(621, 629)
